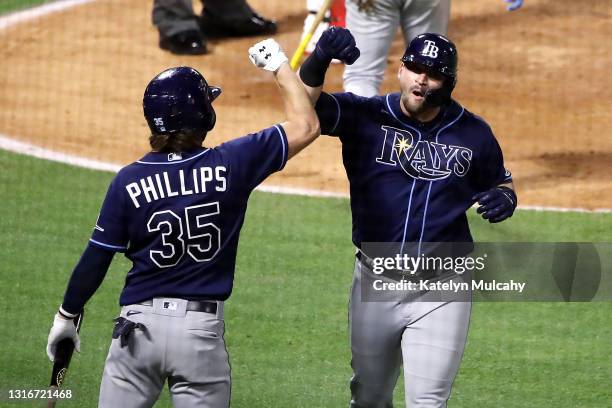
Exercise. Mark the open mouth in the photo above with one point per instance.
(418, 93)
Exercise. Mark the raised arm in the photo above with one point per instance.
(302, 124)
(335, 42)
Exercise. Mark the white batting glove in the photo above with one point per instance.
(62, 328)
(267, 54)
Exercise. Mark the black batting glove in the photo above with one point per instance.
(496, 204)
(338, 43)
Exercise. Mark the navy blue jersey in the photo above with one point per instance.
(178, 216)
(411, 181)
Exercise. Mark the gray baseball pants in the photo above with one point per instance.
(183, 347)
(428, 337)
(374, 31)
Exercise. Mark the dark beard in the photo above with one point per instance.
(404, 101)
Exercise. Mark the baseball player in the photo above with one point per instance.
(177, 215)
(416, 161)
(374, 23)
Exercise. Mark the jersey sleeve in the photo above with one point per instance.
(338, 113)
(110, 231)
(490, 169)
(255, 156)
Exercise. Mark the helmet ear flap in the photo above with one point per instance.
(212, 119)
(213, 93)
(441, 96)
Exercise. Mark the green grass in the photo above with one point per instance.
(287, 321)
(14, 5)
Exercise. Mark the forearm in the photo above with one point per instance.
(313, 93)
(296, 103)
(86, 278)
(312, 75)
(335, 42)
(302, 125)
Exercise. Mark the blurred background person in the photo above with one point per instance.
(182, 32)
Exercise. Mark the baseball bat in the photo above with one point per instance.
(297, 56)
(63, 355)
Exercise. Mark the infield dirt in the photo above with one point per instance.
(72, 81)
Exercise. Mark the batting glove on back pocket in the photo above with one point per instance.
(267, 54)
(62, 329)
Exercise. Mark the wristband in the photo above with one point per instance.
(312, 71)
(66, 314)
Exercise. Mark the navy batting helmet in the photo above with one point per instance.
(179, 99)
(438, 54)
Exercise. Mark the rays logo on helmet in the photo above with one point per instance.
(430, 49)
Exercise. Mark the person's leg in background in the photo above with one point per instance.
(178, 27)
(181, 31)
(233, 18)
(424, 16)
(373, 25)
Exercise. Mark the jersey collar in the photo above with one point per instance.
(172, 158)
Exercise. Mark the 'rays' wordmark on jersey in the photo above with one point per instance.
(426, 172)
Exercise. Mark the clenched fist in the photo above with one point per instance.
(268, 55)
(339, 43)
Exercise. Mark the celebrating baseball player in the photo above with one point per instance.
(177, 214)
(416, 161)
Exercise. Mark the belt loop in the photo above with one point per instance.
(220, 309)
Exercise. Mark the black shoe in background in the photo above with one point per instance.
(216, 27)
(184, 43)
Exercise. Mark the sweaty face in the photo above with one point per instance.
(415, 81)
